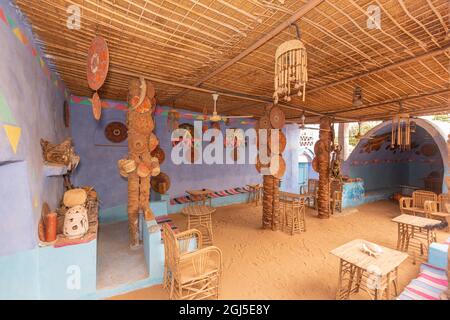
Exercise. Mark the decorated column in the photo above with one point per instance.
(322, 150)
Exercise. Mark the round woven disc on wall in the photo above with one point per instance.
(259, 165)
(161, 183)
(142, 122)
(159, 154)
(281, 170)
(116, 132)
(315, 165)
(153, 142)
(97, 63)
(277, 118)
(264, 123)
(137, 143)
(96, 106)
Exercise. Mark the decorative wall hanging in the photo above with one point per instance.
(60, 154)
(66, 114)
(97, 70)
(172, 120)
(97, 63)
(161, 183)
(401, 130)
(116, 132)
(277, 118)
(139, 165)
(96, 106)
(159, 154)
(291, 69)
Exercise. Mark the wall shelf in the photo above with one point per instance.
(54, 170)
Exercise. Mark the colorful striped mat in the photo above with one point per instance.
(165, 219)
(217, 194)
(432, 281)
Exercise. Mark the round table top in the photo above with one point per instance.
(198, 210)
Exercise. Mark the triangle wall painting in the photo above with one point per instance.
(13, 133)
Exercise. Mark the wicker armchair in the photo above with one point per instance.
(311, 195)
(434, 210)
(415, 205)
(444, 202)
(191, 272)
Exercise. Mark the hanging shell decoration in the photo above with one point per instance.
(291, 73)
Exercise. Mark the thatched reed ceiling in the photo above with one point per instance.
(187, 42)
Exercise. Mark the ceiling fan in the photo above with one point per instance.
(215, 117)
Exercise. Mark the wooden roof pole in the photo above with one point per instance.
(268, 36)
(388, 67)
(377, 104)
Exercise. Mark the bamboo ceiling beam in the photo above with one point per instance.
(230, 94)
(384, 68)
(377, 104)
(310, 5)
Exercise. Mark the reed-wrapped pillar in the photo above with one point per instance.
(322, 149)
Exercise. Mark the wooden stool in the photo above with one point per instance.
(293, 213)
(199, 217)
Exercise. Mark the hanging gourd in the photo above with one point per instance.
(291, 73)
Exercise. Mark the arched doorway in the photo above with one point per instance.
(386, 171)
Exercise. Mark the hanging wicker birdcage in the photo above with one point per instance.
(291, 70)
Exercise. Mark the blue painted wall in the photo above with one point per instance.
(31, 98)
(383, 170)
(99, 158)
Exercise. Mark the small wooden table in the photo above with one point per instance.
(379, 273)
(293, 212)
(415, 228)
(199, 217)
(200, 196)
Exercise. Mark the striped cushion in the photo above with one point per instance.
(217, 194)
(432, 281)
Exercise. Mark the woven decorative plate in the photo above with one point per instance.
(277, 172)
(97, 63)
(141, 122)
(277, 118)
(116, 132)
(159, 154)
(96, 106)
(137, 143)
(161, 183)
(315, 164)
(153, 142)
(66, 114)
(264, 123)
(281, 142)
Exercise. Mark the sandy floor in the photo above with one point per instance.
(261, 264)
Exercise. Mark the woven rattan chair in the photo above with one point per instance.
(336, 192)
(444, 202)
(415, 205)
(311, 195)
(191, 272)
(434, 210)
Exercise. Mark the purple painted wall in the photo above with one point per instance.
(31, 103)
(99, 157)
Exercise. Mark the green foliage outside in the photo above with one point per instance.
(442, 117)
(354, 128)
